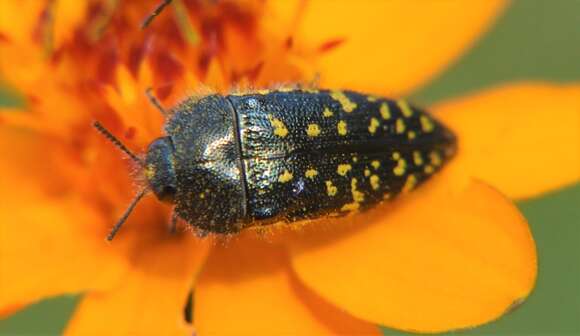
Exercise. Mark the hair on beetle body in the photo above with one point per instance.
(257, 159)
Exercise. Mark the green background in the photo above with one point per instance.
(533, 40)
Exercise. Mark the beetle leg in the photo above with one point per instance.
(155, 102)
(154, 13)
(188, 308)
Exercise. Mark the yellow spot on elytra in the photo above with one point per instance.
(428, 169)
(357, 196)
(400, 126)
(400, 168)
(313, 130)
(372, 98)
(311, 173)
(330, 189)
(405, 108)
(342, 128)
(410, 183)
(411, 135)
(385, 111)
(367, 172)
(376, 164)
(350, 206)
(285, 177)
(435, 158)
(374, 125)
(279, 127)
(202, 195)
(347, 104)
(375, 182)
(426, 124)
(417, 158)
(149, 171)
(327, 112)
(396, 155)
(354, 159)
(343, 169)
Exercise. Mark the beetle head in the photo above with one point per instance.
(160, 169)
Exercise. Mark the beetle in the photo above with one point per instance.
(230, 162)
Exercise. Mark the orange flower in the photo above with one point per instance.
(455, 253)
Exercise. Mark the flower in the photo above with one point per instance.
(454, 253)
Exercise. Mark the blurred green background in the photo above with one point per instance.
(533, 40)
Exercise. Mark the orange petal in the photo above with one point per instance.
(452, 254)
(69, 16)
(47, 247)
(151, 299)
(22, 150)
(523, 139)
(19, 19)
(387, 47)
(130, 102)
(246, 289)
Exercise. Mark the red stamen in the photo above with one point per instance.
(289, 43)
(331, 44)
(130, 133)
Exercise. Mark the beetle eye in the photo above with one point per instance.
(167, 192)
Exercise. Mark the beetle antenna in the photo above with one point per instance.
(123, 218)
(155, 12)
(117, 142)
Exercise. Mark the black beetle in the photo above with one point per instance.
(230, 162)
